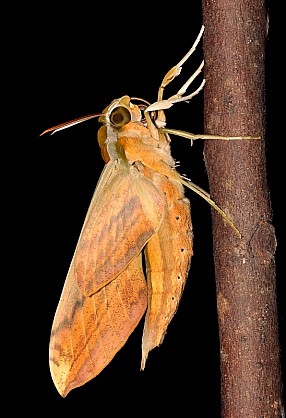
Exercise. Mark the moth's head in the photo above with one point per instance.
(120, 112)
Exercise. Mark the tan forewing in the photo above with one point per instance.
(89, 330)
(125, 211)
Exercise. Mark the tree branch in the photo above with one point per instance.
(234, 52)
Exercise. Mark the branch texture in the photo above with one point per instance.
(234, 51)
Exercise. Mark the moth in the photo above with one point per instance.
(138, 216)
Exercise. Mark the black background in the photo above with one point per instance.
(86, 56)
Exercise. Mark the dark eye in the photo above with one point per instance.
(120, 116)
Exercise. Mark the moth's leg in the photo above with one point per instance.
(175, 71)
(178, 97)
(183, 89)
(151, 126)
(191, 136)
(161, 104)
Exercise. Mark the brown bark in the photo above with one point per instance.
(234, 51)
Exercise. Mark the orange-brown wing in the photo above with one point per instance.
(105, 293)
(125, 211)
(89, 330)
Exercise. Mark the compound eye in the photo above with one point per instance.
(120, 116)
